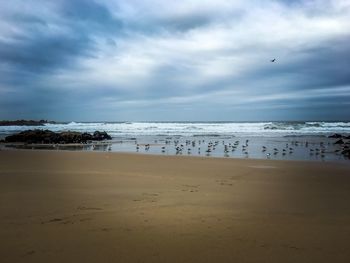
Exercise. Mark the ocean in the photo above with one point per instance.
(188, 129)
(281, 140)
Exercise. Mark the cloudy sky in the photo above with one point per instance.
(88, 60)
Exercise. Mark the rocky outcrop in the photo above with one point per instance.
(50, 137)
(25, 123)
(346, 153)
(339, 142)
(100, 136)
(335, 136)
(339, 136)
(343, 143)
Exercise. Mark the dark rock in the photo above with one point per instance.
(346, 137)
(50, 137)
(99, 136)
(346, 152)
(335, 135)
(339, 142)
(31, 136)
(86, 137)
(70, 137)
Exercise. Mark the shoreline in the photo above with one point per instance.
(276, 141)
(129, 148)
(331, 162)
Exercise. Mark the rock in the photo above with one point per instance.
(70, 137)
(339, 142)
(31, 136)
(335, 135)
(346, 137)
(99, 136)
(346, 152)
(50, 137)
(86, 137)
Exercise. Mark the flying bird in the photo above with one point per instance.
(273, 60)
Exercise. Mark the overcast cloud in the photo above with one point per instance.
(162, 60)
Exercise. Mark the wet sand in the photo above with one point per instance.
(305, 148)
(61, 206)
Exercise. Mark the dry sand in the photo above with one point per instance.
(110, 207)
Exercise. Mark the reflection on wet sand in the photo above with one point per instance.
(316, 148)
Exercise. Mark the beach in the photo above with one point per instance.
(306, 141)
(63, 206)
(174, 131)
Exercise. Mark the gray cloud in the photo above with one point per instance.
(118, 60)
(90, 17)
(42, 52)
(48, 43)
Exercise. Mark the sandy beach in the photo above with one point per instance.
(59, 206)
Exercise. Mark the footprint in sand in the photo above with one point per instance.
(190, 188)
(88, 208)
(147, 197)
(63, 221)
(54, 220)
(29, 253)
(66, 220)
(224, 182)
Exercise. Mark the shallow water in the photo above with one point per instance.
(292, 140)
(310, 148)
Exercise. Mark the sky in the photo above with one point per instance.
(159, 60)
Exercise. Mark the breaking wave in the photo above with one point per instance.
(196, 129)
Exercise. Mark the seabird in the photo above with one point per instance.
(273, 60)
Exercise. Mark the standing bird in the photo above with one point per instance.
(273, 60)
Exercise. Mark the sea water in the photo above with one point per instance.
(281, 140)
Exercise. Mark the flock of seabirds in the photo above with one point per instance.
(200, 146)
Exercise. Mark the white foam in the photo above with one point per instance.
(269, 129)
